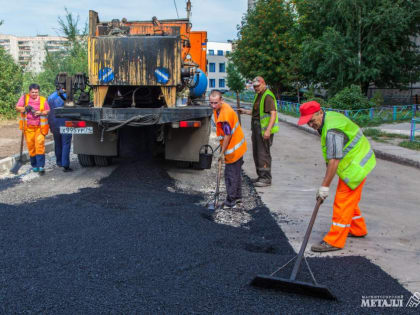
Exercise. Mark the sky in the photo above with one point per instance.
(29, 18)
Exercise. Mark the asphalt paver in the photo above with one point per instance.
(137, 243)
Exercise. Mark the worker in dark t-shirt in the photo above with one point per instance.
(264, 125)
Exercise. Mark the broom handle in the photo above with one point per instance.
(305, 240)
(21, 146)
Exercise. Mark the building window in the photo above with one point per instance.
(211, 52)
(221, 83)
(212, 83)
(212, 67)
(227, 52)
(222, 67)
(220, 52)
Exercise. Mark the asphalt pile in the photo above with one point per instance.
(139, 244)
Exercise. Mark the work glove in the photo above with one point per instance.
(29, 109)
(322, 192)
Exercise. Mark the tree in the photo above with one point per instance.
(266, 44)
(73, 59)
(235, 82)
(360, 42)
(10, 84)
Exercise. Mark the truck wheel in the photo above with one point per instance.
(86, 160)
(102, 160)
(196, 166)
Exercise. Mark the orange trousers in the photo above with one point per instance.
(35, 140)
(346, 215)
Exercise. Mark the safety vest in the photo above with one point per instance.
(358, 157)
(237, 145)
(43, 119)
(264, 117)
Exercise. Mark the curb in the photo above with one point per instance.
(379, 153)
(7, 163)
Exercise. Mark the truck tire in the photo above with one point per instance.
(102, 160)
(86, 160)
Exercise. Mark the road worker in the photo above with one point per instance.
(33, 110)
(348, 154)
(62, 142)
(233, 147)
(264, 125)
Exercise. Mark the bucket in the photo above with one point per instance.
(206, 157)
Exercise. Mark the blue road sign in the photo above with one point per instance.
(106, 75)
(162, 75)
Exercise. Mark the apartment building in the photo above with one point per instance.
(217, 59)
(30, 51)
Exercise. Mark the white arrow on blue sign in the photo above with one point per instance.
(162, 75)
(106, 75)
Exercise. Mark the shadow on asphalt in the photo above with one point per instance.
(131, 245)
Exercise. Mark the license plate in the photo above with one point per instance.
(76, 131)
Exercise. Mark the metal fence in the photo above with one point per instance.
(414, 123)
(385, 114)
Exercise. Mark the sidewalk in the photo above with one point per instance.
(383, 151)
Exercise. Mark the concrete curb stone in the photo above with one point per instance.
(7, 163)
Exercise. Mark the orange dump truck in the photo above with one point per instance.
(148, 80)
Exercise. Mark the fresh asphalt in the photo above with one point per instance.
(134, 242)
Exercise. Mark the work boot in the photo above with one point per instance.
(261, 183)
(357, 236)
(254, 180)
(67, 169)
(35, 169)
(324, 247)
(41, 171)
(238, 205)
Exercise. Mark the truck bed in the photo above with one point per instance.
(119, 115)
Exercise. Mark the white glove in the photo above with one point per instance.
(322, 192)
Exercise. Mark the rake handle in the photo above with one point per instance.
(305, 240)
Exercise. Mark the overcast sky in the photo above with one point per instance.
(29, 18)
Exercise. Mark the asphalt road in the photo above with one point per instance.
(136, 238)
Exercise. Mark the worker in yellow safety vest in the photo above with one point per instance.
(233, 148)
(348, 154)
(33, 110)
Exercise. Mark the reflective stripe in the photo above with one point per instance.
(264, 169)
(366, 158)
(353, 142)
(219, 138)
(275, 125)
(358, 217)
(265, 116)
(236, 147)
(341, 225)
(236, 127)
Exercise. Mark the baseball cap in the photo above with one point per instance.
(307, 110)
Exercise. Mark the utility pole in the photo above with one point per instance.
(188, 9)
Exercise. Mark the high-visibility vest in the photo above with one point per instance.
(43, 119)
(264, 117)
(237, 145)
(358, 157)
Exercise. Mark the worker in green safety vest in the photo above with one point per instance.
(348, 154)
(264, 125)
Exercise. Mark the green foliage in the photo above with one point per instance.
(310, 96)
(267, 44)
(359, 42)
(235, 81)
(377, 99)
(350, 98)
(10, 85)
(72, 60)
(413, 145)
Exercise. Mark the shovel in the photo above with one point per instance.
(291, 284)
(213, 206)
(18, 164)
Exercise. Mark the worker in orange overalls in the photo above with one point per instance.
(348, 154)
(33, 110)
(233, 147)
